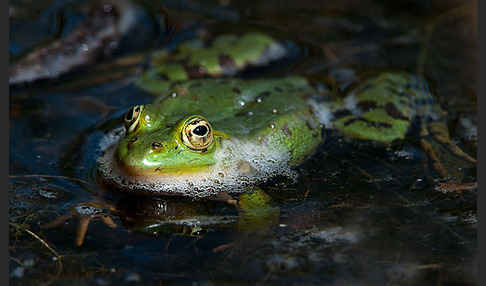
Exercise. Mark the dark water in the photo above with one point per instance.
(358, 215)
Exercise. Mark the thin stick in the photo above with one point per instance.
(58, 257)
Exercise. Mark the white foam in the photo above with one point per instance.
(240, 165)
(273, 52)
(351, 104)
(470, 130)
(322, 112)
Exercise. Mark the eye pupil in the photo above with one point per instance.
(201, 130)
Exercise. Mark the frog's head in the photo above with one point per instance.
(151, 146)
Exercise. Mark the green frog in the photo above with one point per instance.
(207, 133)
(210, 134)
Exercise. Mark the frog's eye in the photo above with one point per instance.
(197, 134)
(132, 118)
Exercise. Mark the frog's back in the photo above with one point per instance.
(251, 110)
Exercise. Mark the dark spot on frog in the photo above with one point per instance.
(175, 148)
(236, 90)
(242, 113)
(264, 93)
(369, 123)
(162, 76)
(309, 125)
(365, 87)
(157, 169)
(226, 62)
(286, 130)
(367, 105)
(390, 82)
(174, 85)
(311, 111)
(391, 110)
(195, 122)
(342, 113)
(195, 71)
(394, 90)
(278, 89)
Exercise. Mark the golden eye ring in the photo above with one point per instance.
(197, 133)
(132, 118)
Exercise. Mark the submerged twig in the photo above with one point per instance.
(43, 242)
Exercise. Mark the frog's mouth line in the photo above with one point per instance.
(160, 172)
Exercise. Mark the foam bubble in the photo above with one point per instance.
(240, 165)
(351, 104)
(322, 112)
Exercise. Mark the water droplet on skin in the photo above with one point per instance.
(250, 113)
(242, 103)
(259, 99)
(147, 117)
(272, 126)
(85, 47)
(274, 111)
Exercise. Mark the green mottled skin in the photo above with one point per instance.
(280, 117)
(203, 60)
(380, 108)
(387, 104)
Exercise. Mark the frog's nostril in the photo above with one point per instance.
(131, 141)
(156, 145)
